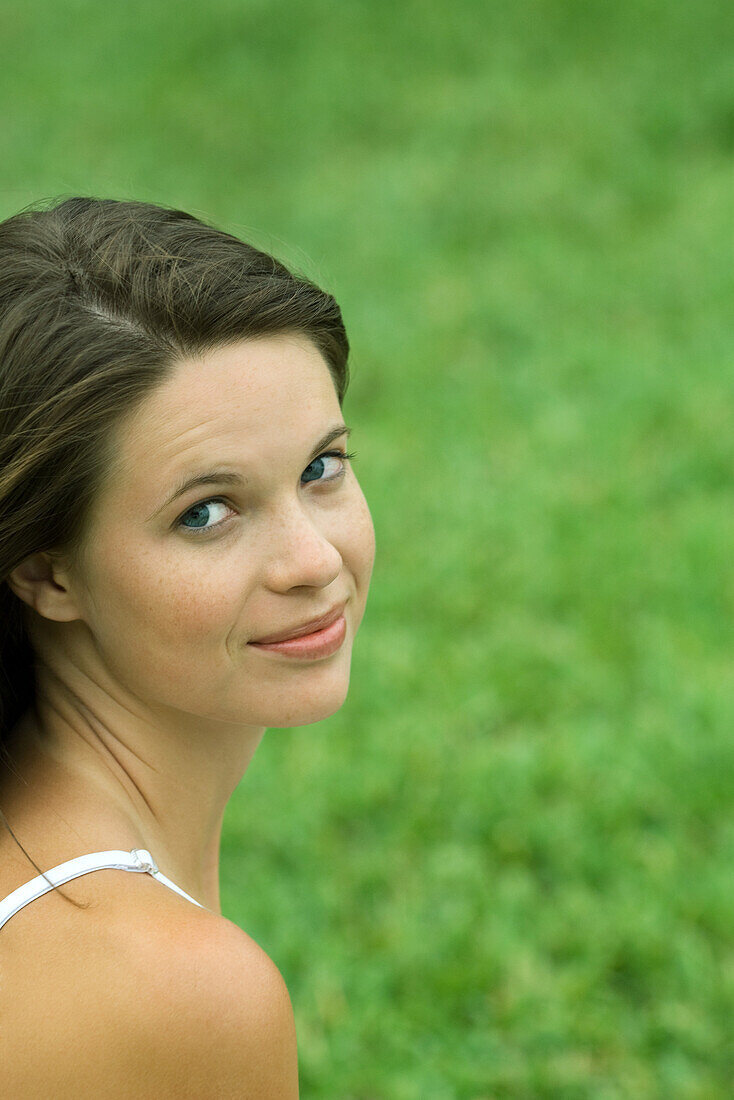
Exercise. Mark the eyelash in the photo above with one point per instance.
(199, 532)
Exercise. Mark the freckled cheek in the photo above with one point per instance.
(174, 600)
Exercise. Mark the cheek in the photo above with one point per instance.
(164, 608)
(182, 600)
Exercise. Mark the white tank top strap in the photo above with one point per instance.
(138, 859)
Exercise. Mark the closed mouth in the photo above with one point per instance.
(305, 628)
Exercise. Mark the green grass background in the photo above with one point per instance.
(504, 868)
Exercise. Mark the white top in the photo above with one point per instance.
(138, 859)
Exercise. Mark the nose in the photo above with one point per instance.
(299, 552)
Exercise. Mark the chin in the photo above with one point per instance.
(307, 706)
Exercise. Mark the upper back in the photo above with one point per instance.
(139, 994)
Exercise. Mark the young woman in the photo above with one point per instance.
(176, 501)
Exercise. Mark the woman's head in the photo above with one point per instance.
(140, 347)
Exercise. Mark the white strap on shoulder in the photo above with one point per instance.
(146, 862)
(138, 859)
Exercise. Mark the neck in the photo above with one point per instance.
(118, 777)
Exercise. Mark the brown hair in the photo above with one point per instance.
(99, 298)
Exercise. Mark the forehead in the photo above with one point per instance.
(223, 405)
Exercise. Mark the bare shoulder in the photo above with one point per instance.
(217, 1018)
(176, 1002)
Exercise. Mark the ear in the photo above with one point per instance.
(42, 583)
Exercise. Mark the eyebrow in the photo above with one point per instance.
(226, 477)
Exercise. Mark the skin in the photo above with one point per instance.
(150, 701)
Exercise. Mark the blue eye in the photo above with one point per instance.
(202, 510)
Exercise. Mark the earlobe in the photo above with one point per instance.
(44, 586)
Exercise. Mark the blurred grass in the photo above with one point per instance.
(503, 869)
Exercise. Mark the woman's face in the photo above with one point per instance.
(174, 591)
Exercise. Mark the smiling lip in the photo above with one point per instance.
(305, 628)
(320, 643)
